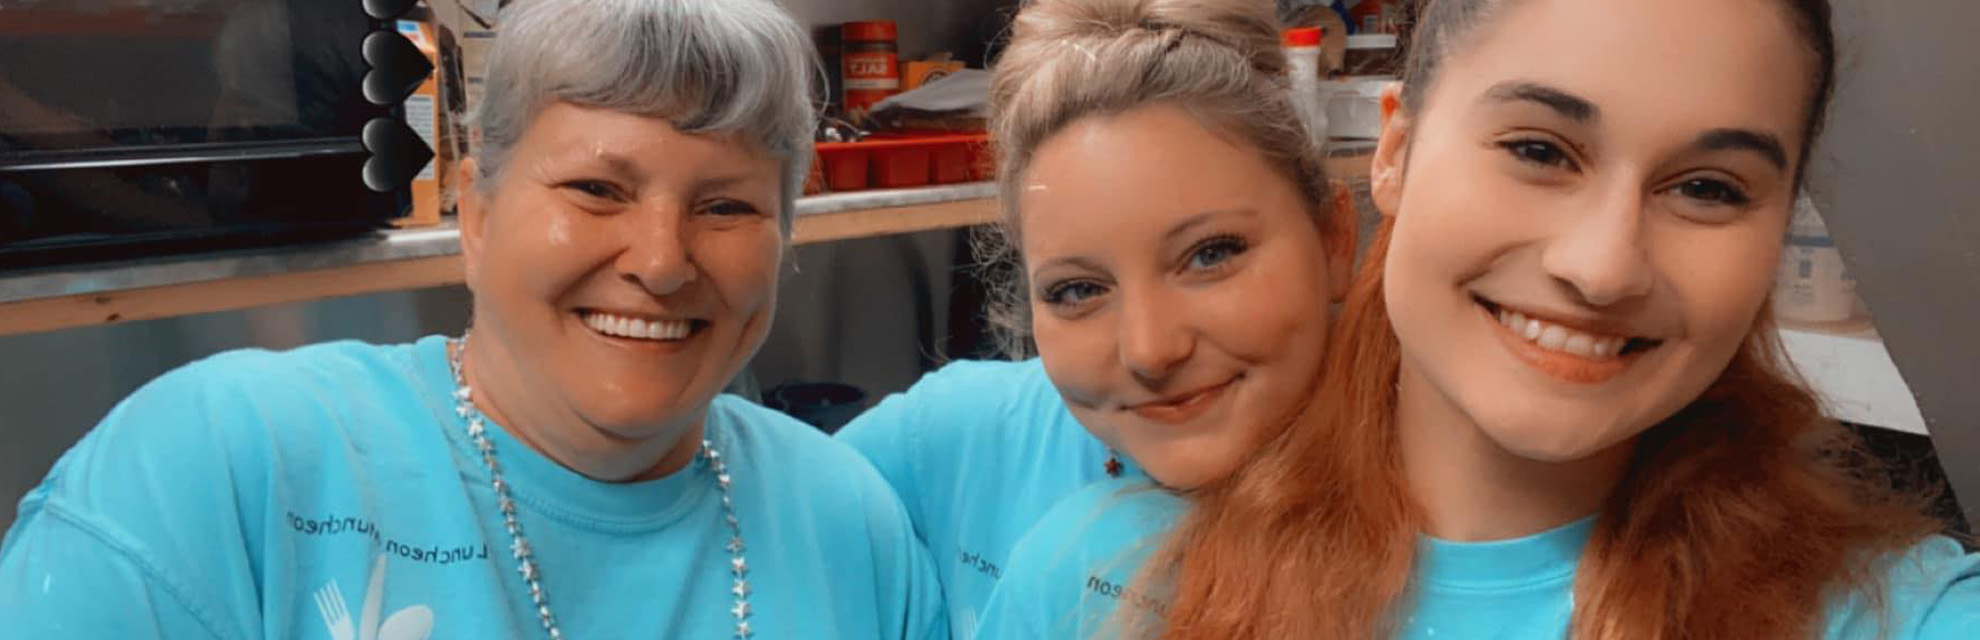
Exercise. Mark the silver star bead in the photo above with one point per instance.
(521, 548)
(475, 428)
(463, 393)
(741, 589)
(507, 505)
(735, 545)
(738, 566)
(741, 610)
(462, 410)
(742, 630)
(527, 569)
(722, 479)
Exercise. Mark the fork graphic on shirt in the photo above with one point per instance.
(411, 623)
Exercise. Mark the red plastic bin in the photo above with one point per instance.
(895, 160)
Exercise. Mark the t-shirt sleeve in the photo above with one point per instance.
(1069, 575)
(907, 590)
(911, 437)
(1932, 593)
(885, 435)
(1942, 587)
(61, 577)
(149, 518)
(136, 531)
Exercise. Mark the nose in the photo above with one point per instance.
(658, 255)
(1155, 337)
(1601, 255)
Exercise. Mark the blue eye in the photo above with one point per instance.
(1717, 192)
(1538, 152)
(1216, 252)
(1073, 292)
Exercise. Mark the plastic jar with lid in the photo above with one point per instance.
(1303, 57)
(870, 64)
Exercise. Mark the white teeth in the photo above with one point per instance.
(1553, 337)
(636, 328)
(1580, 344)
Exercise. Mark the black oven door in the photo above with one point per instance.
(148, 126)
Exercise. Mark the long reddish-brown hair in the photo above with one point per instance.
(1738, 517)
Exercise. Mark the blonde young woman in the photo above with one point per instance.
(1175, 260)
(1556, 407)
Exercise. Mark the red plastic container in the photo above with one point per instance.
(889, 161)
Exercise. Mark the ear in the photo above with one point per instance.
(1391, 153)
(472, 215)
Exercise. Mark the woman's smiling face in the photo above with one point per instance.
(1179, 287)
(1582, 242)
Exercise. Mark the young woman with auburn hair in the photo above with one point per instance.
(1555, 406)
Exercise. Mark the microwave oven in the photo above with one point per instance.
(141, 127)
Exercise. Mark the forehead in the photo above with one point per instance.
(1136, 173)
(569, 132)
(1681, 65)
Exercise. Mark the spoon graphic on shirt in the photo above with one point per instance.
(411, 623)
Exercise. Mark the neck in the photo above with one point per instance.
(560, 434)
(1471, 489)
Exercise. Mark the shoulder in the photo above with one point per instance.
(205, 408)
(1930, 592)
(969, 392)
(796, 455)
(205, 431)
(1011, 402)
(1105, 524)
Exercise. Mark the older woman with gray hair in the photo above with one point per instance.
(571, 470)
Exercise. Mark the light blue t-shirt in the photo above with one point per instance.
(1068, 577)
(331, 492)
(977, 451)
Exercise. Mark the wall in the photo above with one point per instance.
(1896, 175)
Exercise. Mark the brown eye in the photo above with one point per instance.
(1711, 191)
(1538, 152)
(594, 189)
(731, 208)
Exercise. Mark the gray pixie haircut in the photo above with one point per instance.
(741, 67)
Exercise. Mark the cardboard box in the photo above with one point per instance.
(465, 32)
(917, 73)
(426, 118)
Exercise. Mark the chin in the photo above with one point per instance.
(1557, 443)
(1184, 467)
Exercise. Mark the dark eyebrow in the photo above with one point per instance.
(1765, 144)
(1569, 105)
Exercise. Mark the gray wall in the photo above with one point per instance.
(1899, 177)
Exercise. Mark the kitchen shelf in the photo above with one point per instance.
(125, 291)
(1853, 373)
